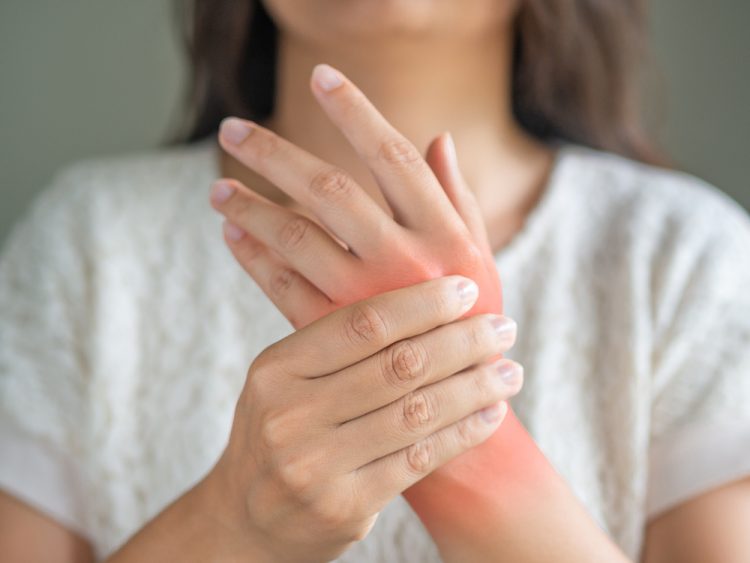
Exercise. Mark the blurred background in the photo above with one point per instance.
(82, 78)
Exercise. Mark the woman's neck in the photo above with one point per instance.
(422, 86)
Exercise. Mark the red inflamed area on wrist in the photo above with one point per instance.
(490, 483)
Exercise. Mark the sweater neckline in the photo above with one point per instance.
(536, 220)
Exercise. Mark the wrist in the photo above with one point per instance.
(203, 524)
(223, 513)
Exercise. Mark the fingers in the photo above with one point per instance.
(424, 411)
(328, 191)
(352, 333)
(442, 159)
(301, 242)
(388, 476)
(413, 363)
(297, 299)
(407, 182)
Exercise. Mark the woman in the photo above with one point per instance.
(128, 331)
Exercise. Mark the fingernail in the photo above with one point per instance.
(326, 77)
(232, 231)
(509, 372)
(221, 191)
(467, 292)
(491, 413)
(235, 130)
(505, 327)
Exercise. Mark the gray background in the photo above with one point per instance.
(85, 77)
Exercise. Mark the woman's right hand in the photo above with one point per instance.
(338, 418)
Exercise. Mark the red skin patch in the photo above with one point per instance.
(468, 496)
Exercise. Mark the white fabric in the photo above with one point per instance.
(126, 330)
(708, 455)
(49, 479)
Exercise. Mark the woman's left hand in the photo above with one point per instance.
(434, 227)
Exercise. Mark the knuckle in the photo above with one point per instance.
(329, 514)
(331, 184)
(250, 251)
(354, 105)
(265, 143)
(418, 411)
(264, 374)
(399, 151)
(261, 371)
(405, 362)
(274, 434)
(281, 281)
(420, 456)
(256, 384)
(293, 233)
(478, 335)
(261, 366)
(366, 325)
(484, 382)
(296, 477)
(443, 304)
(465, 433)
(272, 359)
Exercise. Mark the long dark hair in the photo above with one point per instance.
(575, 69)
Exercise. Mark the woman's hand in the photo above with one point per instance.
(341, 416)
(355, 248)
(433, 226)
(499, 501)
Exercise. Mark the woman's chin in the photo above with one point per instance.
(334, 20)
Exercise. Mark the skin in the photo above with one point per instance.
(305, 474)
(489, 502)
(390, 67)
(386, 44)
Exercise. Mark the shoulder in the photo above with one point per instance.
(660, 202)
(98, 197)
(659, 217)
(146, 176)
(675, 243)
(684, 247)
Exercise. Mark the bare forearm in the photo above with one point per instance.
(503, 501)
(190, 530)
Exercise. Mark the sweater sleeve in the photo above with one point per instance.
(700, 425)
(44, 296)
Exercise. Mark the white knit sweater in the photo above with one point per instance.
(126, 330)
